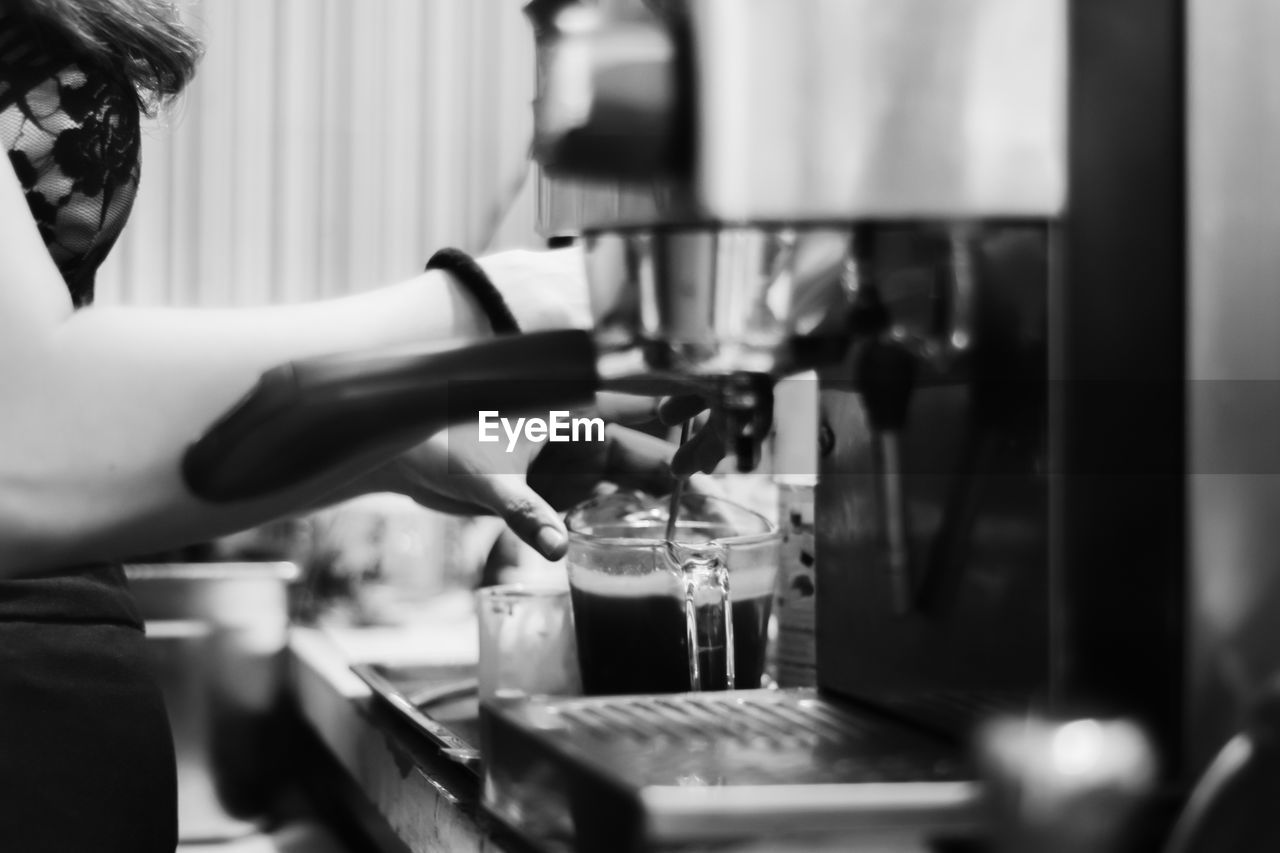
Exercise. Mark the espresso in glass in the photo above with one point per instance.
(658, 617)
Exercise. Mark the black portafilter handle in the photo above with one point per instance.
(308, 416)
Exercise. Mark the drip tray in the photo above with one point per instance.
(641, 772)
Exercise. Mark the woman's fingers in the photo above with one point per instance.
(702, 452)
(525, 511)
(634, 460)
(621, 408)
(674, 411)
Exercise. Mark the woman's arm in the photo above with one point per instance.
(99, 404)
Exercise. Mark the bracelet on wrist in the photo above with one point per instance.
(476, 281)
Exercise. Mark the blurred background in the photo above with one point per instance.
(327, 147)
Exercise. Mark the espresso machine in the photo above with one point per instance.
(1025, 246)
(1001, 231)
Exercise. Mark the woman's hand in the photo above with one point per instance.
(544, 289)
(706, 446)
(548, 290)
(527, 482)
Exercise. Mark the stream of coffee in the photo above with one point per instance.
(677, 491)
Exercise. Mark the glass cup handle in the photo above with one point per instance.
(701, 571)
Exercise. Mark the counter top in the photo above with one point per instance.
(429, 803)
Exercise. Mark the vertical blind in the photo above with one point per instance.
(328, 146)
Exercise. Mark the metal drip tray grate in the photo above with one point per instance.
(760, 720)
(708, 765)
(744, 738)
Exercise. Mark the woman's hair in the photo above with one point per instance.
(143, 40)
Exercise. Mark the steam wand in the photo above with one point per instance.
(886, 377)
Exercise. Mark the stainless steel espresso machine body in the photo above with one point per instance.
(970, 218)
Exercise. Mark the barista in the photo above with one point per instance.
(99, 404)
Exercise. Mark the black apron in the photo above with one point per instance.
(86, 756)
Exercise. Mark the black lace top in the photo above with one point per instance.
(72, 134)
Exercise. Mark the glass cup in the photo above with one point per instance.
(653, 616)
(526, 642)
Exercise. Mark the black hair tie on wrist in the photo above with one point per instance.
(476, 282)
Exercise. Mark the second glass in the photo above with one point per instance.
(653, 616)
(526, 642)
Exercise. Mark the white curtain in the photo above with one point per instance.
(327, 146)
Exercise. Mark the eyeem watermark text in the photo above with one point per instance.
(557, 426)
